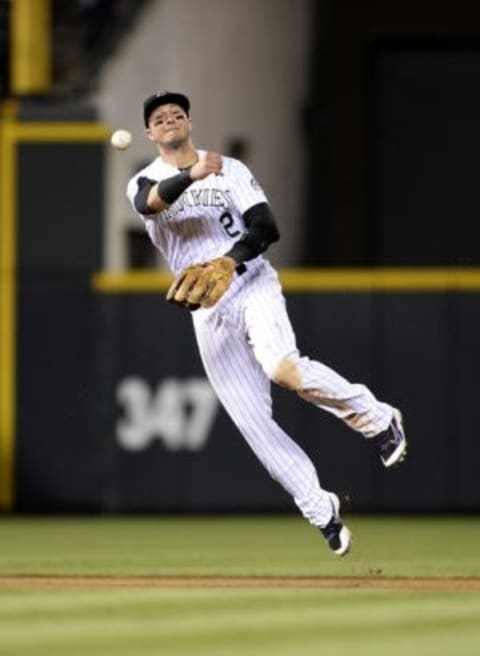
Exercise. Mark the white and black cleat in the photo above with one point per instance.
(335, 532)
(392, 443)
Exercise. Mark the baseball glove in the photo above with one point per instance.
(202, 285)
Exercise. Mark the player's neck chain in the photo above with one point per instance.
(189, 166)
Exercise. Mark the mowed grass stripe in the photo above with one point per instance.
(239, 622)
(17, 602)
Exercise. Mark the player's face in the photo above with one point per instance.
(169, 126)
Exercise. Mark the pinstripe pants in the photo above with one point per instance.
(242, 341)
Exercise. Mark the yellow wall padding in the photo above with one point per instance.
(30, 47)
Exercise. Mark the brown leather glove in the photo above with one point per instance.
(202, 285)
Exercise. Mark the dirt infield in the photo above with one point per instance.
(364, 582)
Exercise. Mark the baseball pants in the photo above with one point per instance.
(244, 344)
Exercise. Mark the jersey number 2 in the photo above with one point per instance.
(227, 222)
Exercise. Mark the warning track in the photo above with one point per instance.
(362, 582)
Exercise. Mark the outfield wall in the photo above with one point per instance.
(115, 414)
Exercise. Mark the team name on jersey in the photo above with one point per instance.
(207, 197)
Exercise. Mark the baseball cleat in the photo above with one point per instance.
(335, 533)
(392, 442)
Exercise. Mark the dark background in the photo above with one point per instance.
(392, 134)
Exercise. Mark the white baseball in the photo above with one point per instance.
(121, 139)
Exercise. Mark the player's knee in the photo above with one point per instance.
(287, 374)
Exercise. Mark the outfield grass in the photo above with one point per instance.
(146, 621)
(262, 545)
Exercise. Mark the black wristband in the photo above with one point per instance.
(172, 188)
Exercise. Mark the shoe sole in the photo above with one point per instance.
(398, 456)
(344, 535)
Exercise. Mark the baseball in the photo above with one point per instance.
(121, 139)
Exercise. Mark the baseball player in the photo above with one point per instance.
(212, 222)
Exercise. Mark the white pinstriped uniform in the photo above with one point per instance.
(247, 334)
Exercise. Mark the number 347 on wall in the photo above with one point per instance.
(180, 413)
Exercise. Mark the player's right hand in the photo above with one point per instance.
(210, 163)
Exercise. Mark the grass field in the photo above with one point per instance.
(209, 586)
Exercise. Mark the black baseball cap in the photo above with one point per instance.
(164, 98)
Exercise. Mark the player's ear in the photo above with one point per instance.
(148, 134)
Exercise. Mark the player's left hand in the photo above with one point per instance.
(202, 285)
(210, 163)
